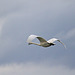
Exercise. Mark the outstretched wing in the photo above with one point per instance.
(54, 39)
(31, 37)
(41, 39)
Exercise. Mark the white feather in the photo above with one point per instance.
(52, 40)
(31, 37)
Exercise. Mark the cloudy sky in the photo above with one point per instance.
(46, 18)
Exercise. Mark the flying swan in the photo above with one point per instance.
(43, 42)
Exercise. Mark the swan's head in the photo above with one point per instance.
(29, 43)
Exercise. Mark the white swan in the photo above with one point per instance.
(43, 42)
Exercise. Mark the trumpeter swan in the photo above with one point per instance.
(43, 42)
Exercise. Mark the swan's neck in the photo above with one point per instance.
(34, 43)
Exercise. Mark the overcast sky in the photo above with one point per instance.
(45, 18)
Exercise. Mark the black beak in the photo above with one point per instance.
(29, 43)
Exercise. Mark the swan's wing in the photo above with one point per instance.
(54, 39)
(41, 39)
(31, 37)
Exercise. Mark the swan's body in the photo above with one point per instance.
(43, 42)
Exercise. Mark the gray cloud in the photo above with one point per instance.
(46, 18)
(34, 69)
